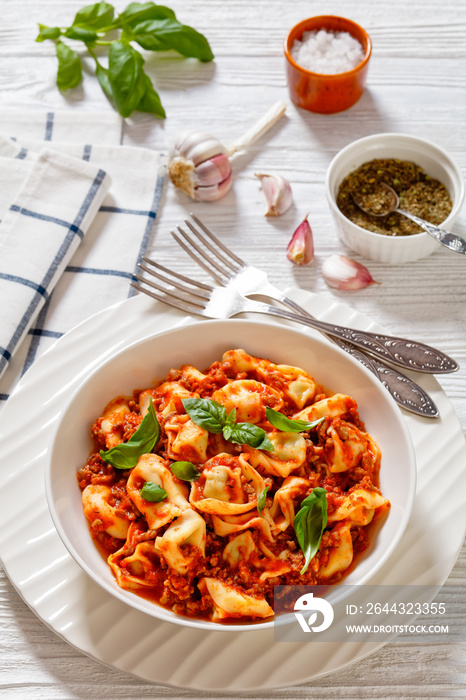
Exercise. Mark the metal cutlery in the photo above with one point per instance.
(228, 269)
(195, 297)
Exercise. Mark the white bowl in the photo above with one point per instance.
(150, 359)
(434, 161)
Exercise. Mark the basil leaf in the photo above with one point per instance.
(150, 101)
(261, 500)
(126, 77)
(139, 11)
(48, 33)
(309, 524)
(81, 34)
(102, 77)
(69, 73)
(153, 492)
(288, 425)
(126, 454)
(169, 34)
(187, 471)
(97, 16)
(206, 413)
(248, 434)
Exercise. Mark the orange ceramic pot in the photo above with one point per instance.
(317, 92)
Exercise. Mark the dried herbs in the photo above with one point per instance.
(419, 194)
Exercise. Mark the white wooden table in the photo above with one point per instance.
(416, 85)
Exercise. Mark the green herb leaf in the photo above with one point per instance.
(69, 73)
(102, 77)
(153, 492)
(150, 101)
(261, 500)
(187, 471)
(143, 441)
(81, 34)
(212, 416)
(288, 425)
(206, 413)
(126, 76)
(48, 33)
(309, 524)
(248, 434)
(97, 16)
(140, 11)
(169, 34)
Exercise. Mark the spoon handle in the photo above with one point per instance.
(447, 238)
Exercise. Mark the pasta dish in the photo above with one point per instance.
(206, 491)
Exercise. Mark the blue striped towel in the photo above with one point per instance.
(76, 218)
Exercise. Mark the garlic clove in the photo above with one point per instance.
(341, 272)
(213, 192)
(197, 146)
(213, 171)
(300, 250)
(277, 193)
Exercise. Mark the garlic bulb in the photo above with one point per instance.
(300, 249)
(277, 193)
(200, 164)
(341, 272)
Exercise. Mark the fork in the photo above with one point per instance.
(230, 269)
(195, 297)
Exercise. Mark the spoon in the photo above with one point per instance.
(391, 203)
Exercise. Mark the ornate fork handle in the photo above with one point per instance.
(406, 393)
(399, 351)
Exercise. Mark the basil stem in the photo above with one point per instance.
(187, 471)
(153, 492)
(288, 425)
(309, 524)
(126, 454)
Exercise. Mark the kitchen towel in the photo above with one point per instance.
(105, 256)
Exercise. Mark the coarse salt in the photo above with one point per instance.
(327, 52)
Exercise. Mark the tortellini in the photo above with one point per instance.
(249, 398)
(186, 440)
(204, 518)
(101, 515)
(188, 529)
(152, 468)
(230, 601)
(228, 486)
(289, 454)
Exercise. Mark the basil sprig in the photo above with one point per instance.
(261, 500)
(126, 454)
(187, 471)
(309, 524)
(212, 416)
(125, 83)
(288, 425)
(153, 492)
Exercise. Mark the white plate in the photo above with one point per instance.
(86, 616)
